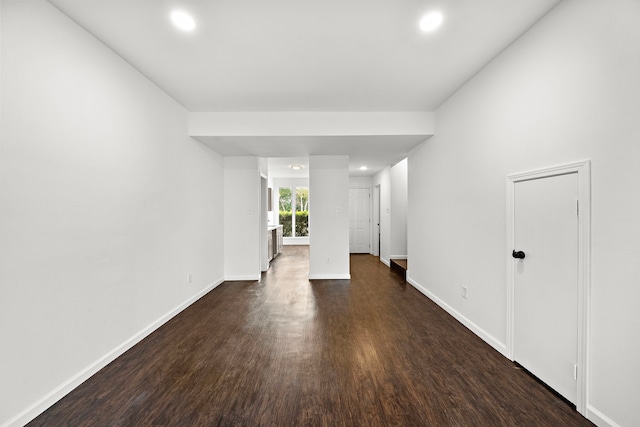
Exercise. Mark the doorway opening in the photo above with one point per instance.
(293, 211)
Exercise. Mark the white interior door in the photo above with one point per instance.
(359, 220)
(546, 280)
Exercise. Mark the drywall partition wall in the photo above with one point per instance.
(263, 166)
(383, 179)
(290, 182)
(568, 90)
(263, 226)
(375, 221)
(241, 218)
(106, 207)
(264, 213)
(329, 217)
(360, 181)
(272, 216)
(398, 221)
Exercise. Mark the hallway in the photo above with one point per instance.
(371, 351)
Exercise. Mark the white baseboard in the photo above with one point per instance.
(242, 278)
(488, 338)
(599, 419)
(329, 276)
(398, 257)
(295, 241)
(595, 416)
(65, 388)
(385, 262)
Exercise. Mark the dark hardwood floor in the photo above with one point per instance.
(400, 267)
(371, 351)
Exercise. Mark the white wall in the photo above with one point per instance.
(290, 182)
(263, 166)
(360, 181)
(263, 169)
(264, 205)
(398, 180)
(383, 179)
(329, 217)
(272, 216)
(375, 221)
(106, 206)
(242, 225)
(568, 90)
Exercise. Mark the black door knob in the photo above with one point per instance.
(518, 255)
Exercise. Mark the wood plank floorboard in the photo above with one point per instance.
(285, 351)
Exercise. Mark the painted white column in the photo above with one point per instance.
(329, 217)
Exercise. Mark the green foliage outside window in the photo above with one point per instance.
(285, 221)
(302, 199)
(302, 223)
(285, 199)
(301, 203)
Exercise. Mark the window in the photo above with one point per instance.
(302, 212)
(284, 206)
(293, 205)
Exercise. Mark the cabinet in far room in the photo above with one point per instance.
(274, 241)
(270, 245)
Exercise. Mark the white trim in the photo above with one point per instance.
(295, 241)
(375, 221)
(329, 276)
(583, 169)
(385, 262)
(264, 221)
(241, 278)
(371, 220)
(66, 387)
(398, 257)
(599, 419)
(486, 337)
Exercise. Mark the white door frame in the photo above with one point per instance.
(583, 169)
(264, 261)
(375, 225)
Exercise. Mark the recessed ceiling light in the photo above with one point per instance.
(183, 20)
(363, 168)
(295, 167)
(431, 21)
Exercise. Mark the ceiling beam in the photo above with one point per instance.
(311, 123)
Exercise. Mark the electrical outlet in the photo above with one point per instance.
(189, 278)
(464, 292)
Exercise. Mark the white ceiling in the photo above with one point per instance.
(297, 55)
(280, 167)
